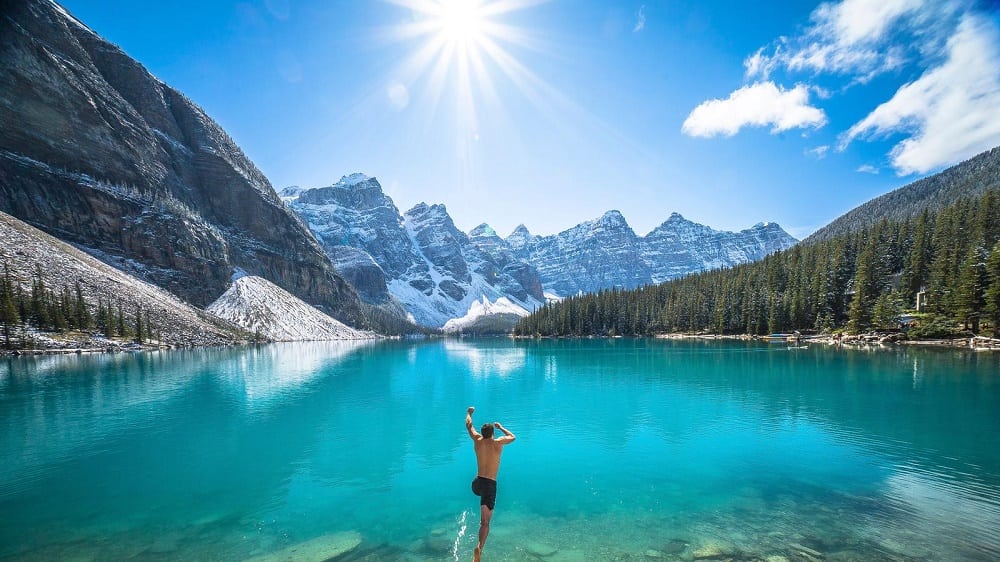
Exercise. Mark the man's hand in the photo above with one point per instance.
(470, 410)
(498, 426)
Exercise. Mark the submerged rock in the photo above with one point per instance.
(710, 551)
(674, 546)
(540, 549)
(318, 549)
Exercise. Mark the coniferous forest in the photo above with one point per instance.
(48, 309)
(859, 281)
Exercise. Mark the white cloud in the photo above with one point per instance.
(951, 112)
(640, 22)
(819, 152)
(867, 169)
(756, 105)
(848, 37)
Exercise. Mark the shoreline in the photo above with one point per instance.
(979, 343)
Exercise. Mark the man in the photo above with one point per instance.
(488, 452)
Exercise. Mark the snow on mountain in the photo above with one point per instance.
(605, 252)
(482, 308)
(419, 261)
(262, 307)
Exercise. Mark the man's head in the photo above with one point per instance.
(487, 430)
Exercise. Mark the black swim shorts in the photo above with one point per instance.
(486, 489)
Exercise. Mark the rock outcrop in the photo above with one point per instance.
(98, 152)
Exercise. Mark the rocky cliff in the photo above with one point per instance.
(98, 152)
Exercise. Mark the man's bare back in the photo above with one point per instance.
(488, 451)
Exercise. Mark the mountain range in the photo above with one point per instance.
(437, 273)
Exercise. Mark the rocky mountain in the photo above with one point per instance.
(593, 255)
(679, 246)
(446, 278)
(419, 260)
(98, 152)
(969, 179)
(263, 308)
(606, 252)
(28, 252)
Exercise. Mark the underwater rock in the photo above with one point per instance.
(710, 551)
(674, 546)
(567, 556)
(318, 549)
(540, 549)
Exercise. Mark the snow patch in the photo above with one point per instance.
(264, 308)
(481, 308)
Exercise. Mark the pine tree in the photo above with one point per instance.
(110, 322)
(138, 324)
(867, 286)
(971, 297)
(120, 318)
(992, 296)
(39, 304)
(82, 312)
(8, 307)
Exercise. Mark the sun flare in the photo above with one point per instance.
(460, 49)
(461, 21)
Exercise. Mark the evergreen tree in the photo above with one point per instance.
(8, 307)
(971, 297)
(39, 303)
(120, 318)
(992, 296)
(138, 324)
(867, 286)
(887, 310)
(82, 312)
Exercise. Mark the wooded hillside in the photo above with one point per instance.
(860, 280)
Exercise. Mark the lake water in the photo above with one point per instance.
(626, 450)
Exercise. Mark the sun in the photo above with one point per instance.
(460, 48)
(461, 22)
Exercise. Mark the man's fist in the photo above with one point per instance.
(471, 409)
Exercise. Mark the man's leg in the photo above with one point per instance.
(485, 514)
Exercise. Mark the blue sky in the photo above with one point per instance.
(729, 113)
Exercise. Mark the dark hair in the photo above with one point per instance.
(487, 430)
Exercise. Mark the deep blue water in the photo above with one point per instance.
(626, 449)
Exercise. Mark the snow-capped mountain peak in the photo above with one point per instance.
(351, 180)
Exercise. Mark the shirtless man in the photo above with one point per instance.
(488, 452)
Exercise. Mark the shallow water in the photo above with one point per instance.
(626, 450)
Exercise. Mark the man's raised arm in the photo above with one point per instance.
(468, 424)
(507, 436)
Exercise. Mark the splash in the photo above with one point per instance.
(462, 525)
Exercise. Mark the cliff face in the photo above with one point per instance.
(98, 152)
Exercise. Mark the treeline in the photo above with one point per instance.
(45, 309)
(858, 281)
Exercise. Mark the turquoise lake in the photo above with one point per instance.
(626, 450)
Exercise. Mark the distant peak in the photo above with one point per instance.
(521, 229)
(676, 216)
(612, 218)
(351, 180)
(483, 230)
